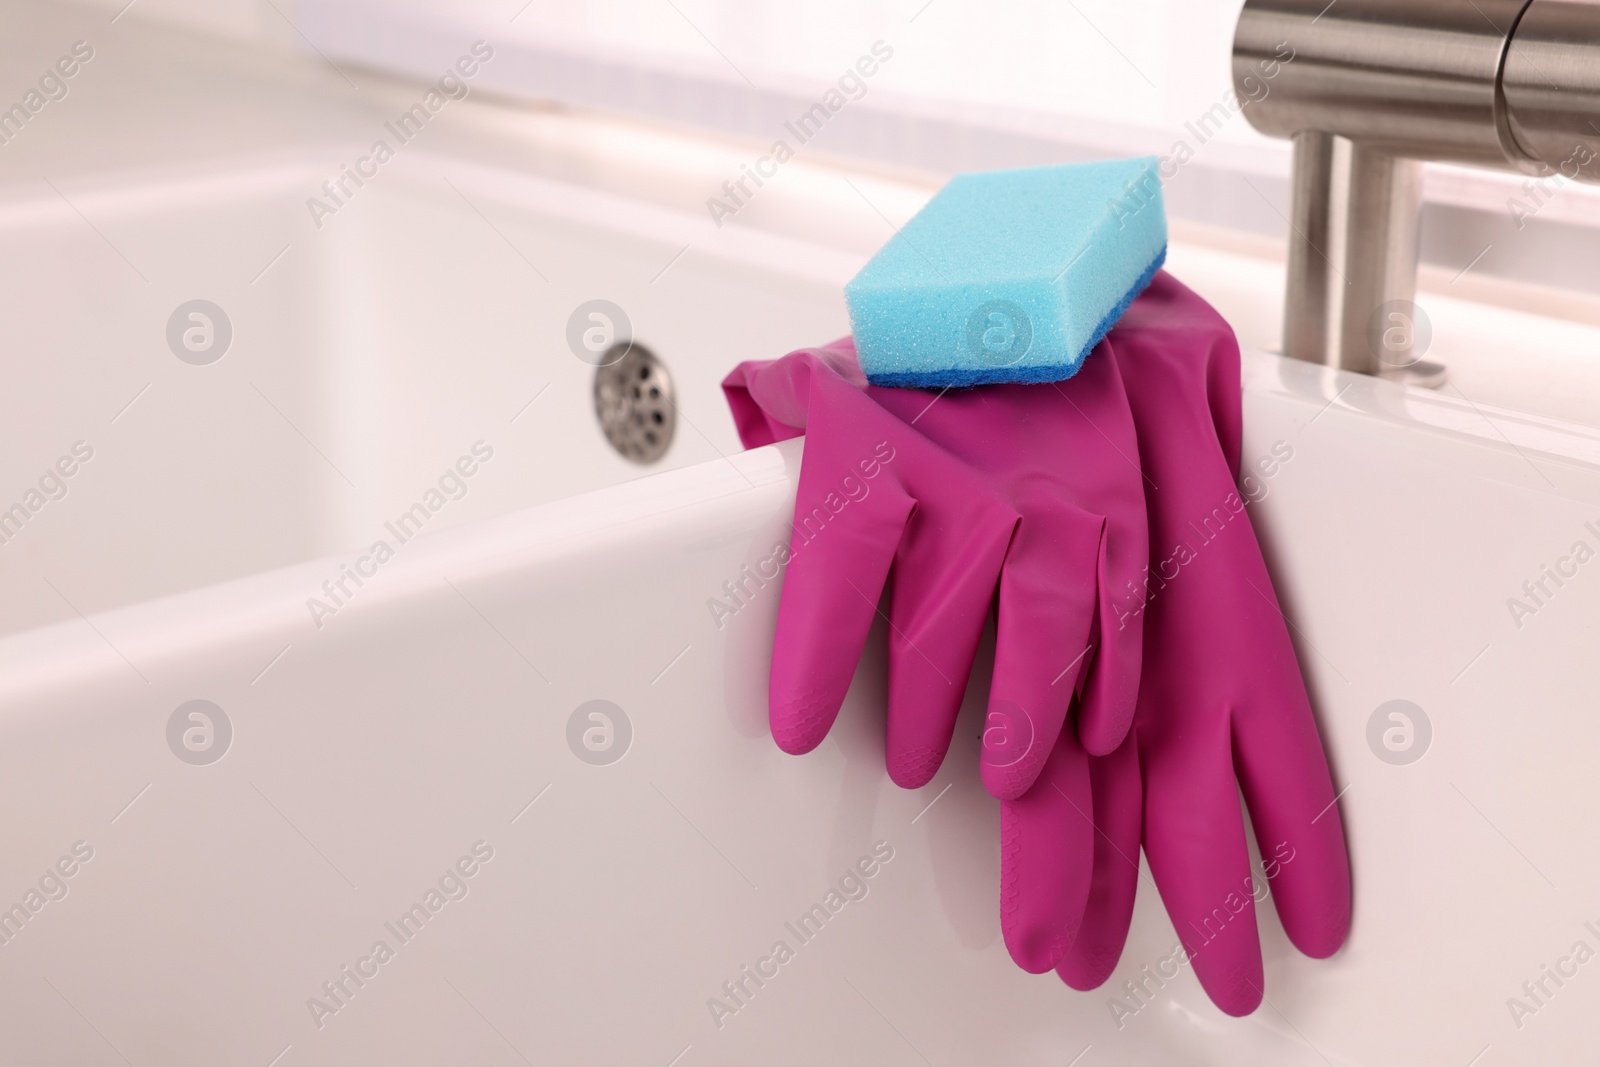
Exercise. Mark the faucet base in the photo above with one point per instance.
(1353, 241)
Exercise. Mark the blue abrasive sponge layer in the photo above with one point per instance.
(1010, 275)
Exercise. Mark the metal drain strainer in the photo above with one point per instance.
(633, 401)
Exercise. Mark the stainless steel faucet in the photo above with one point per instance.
(1369, 90)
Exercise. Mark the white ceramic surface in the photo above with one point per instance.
(434, 709)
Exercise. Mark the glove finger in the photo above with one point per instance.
(1110, 691)
(1284, 776)
(1118, 810)
(1108, 478)
(1047, 856)
(848, 524)
(1194, 838)
(1047, 603)
(830, 596)
(945, 573)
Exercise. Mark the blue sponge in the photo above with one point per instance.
(1009, 276)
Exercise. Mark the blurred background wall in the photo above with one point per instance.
(971, 85)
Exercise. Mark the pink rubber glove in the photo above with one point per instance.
(1222, 707)
(1034, 491)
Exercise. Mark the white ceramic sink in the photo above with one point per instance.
(428, 315)
(439, 715)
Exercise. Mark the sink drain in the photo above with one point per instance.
(633, 401)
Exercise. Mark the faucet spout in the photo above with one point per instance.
(1367, 91)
